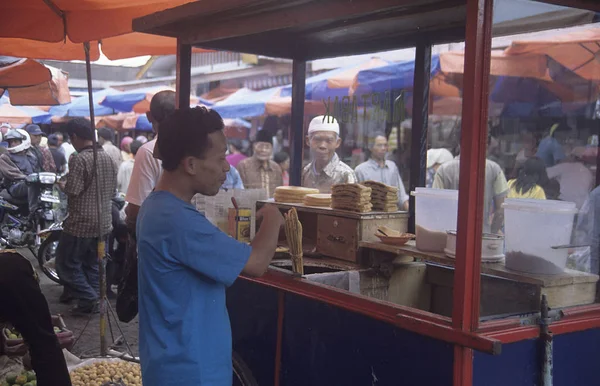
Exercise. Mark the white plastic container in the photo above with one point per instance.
(436, 211)
(531, 228)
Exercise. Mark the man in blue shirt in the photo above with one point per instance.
(186, 263)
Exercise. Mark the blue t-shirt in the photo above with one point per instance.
(184, 265)
(550, 151)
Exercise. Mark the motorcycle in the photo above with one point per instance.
(21, 229)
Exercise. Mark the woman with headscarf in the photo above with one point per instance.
(435, 158)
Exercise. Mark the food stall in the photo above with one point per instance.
(364, 312)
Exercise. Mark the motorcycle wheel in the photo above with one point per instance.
(46, 253)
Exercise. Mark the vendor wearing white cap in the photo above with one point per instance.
(435, 158)
(326, 168)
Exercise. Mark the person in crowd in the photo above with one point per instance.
(126, 168)
(59, 158)
(283, 160)
(23, 304)
(77, 252)
(106, 138)
(146, 172)
(326, 168)
(126, 148)
(236, 153)
(233, 180)
(549, 149)
(377, 168)
(496, 190)
(186, 263)
(65, 146)
(15, 165)
(141, 138)
(278, 142)
(43, 154)
(531, 180)
(575, 179)
(435, 158)
(259, 171)
(528, 150)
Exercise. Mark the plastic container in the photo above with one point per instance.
(532, 227)
(436, 211)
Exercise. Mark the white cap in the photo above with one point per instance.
(438, 156)
(324, 123)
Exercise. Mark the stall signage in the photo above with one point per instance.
(387, 106)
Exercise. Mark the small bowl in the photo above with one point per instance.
(396, 240)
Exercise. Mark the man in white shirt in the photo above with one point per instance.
(147, 169)
(144, 177)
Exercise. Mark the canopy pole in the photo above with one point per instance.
(297, 121)
(183, 74)
(101, 242)
(420, 120)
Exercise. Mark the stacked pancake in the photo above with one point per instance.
(292, 194)
(383, 197)
(323, 200)
(352, 197)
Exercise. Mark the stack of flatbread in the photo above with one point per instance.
(323, 200)
(383, 197)
(292, 194)
(352, 197)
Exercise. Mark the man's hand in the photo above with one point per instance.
(270, 213)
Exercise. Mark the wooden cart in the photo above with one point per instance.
(298, 331)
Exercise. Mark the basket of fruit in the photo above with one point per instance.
(14, 345)
(25, 378)
(106, 372)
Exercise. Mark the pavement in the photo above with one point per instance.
(86, 328)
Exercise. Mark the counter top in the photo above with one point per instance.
(338, 212)
(493, 269)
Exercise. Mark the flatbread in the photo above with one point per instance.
(292, 194)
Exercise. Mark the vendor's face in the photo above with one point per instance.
(210, 171)
(323, 144)
(36, 139)
(380, 148)
(263, 151)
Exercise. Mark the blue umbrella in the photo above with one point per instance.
(79, 107)
(136, 100)
(246, 103)
(317, 87)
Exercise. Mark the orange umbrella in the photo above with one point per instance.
(345, 79)
(23, 73)
(14, 115)
(577, 51)
(25, 48)
(139, 44)
(32, 83)
(78, 20)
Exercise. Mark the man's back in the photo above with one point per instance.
(185, 264)
(81, 191)
(145, 174)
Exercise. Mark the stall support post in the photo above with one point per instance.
(473, 141)
(183, 74)
(420, 120)
(297, 132)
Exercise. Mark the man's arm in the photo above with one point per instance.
(265, 241)
(76, 178)
(144, 175)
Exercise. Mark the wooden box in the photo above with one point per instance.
(336, 233)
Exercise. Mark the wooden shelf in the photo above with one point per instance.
(337, 212)
(492, 269)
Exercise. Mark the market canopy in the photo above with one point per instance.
(22, 115)
(577, 51)
(79, 107)
(334, 83)
(246, 103)
(136, 100)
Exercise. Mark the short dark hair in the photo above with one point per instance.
(134, 146)
(81, 127)
(186, 134)
(162, 105)
(281, 157)
(107, 134)
(53, 140)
